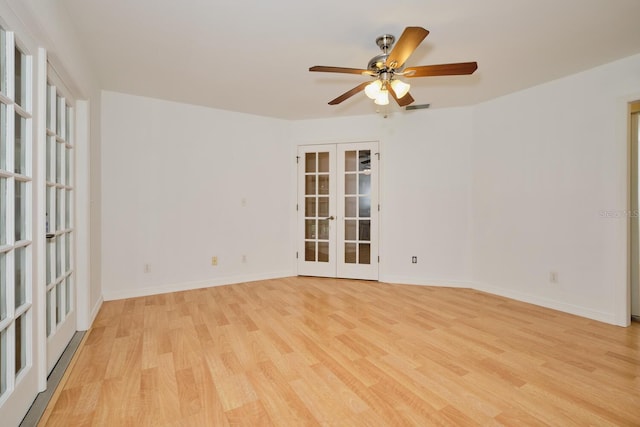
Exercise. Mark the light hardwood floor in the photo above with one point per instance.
(310, 351)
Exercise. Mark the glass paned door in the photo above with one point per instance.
(357, 227)
(60, 290)
(337, 210)
(18, 316)
(317, 210)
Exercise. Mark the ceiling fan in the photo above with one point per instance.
(388, 65)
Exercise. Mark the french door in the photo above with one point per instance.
(59, 228)
(338, 210)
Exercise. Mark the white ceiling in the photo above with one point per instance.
(254, 56)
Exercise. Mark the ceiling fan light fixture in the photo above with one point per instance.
(382, 98)
(372, 90)
(400, 88)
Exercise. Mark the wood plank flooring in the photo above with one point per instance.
(310, 351)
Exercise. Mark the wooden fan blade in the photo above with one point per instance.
(404, 101)
(442, 69)
(337, 69)
(408, 42)
(349, 94)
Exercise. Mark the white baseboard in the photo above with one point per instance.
(609, 318)
(185, 286)
(403, 280)
(549, 303)
(600, 316)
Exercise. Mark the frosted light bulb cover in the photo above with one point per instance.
(400, 88)
(382, 98)
(372, 90)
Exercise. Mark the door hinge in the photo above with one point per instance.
(377, 154)
(378, 207)
(296, 207)
(296, 255)
(378, 259)
(297, 159)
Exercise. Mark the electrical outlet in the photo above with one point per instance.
(214, 260)
(414, 260)
(553, 277)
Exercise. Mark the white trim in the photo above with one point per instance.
(81, 223)
(187, 286)
(439, 283)
(610, 318)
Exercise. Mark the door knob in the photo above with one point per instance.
(330, 218)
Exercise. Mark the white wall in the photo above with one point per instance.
(547, 162)
(424, 191)
(174, 178)
(494, 196)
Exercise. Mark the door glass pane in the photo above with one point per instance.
(59, 162)
(310, 184)
(365, 207)
(323, 229)
(19, 150)
(323, 162)
(20, 256)
(364, 230)
(3, 211)
(349, 229)
(3, 137)
(350, 164)
(51, 154)
(49, 225)
(364, 157)
(59, 209)
(310, 229)
(59, 306)
(310, 251)
(323, 184)
(50, 249)
(49, 310)
(67, 210)
(59, 114)
(58, 257)
(67, 123)
(3, 286)
(310, 206)
(3, 61)
(350, 183)
(21, 342)
(20, 78)
(365, 253)
(69, 154)
(50, 107)
(310, 162)
(323, 207)
(67, 295)
(364, 181)
(3, 361)
(350, 207)
(20, 211)
(67, 252)
(323, 251)
(350, 253)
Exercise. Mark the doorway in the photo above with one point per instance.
(634, 211)
(338, 210)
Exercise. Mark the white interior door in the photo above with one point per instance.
(59, 208)
(338, 210)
